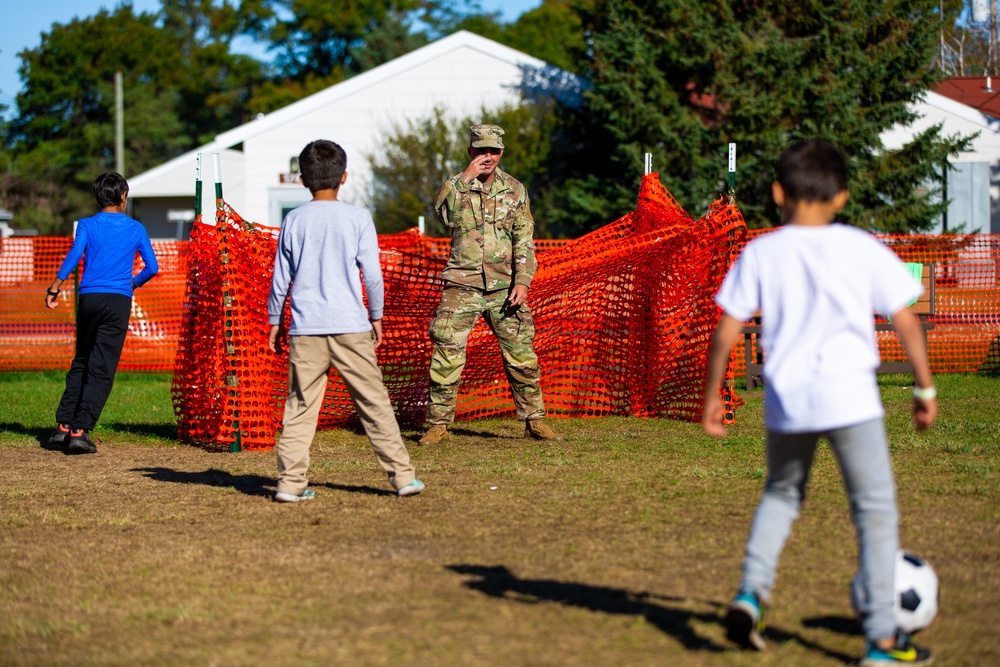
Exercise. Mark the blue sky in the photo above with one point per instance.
(24, 22)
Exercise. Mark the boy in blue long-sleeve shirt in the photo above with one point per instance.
(107, 242)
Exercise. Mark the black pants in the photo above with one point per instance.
(101, 325)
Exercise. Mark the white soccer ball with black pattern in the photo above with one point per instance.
(916, 593)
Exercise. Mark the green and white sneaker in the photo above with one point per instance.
(745, 621)
(283, 497)
(903, 652)
(411, 489)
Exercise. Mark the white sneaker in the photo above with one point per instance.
(283, 497)
(411, 489)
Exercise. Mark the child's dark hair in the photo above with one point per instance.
(109, 189)
(322, 164)
(812, 170)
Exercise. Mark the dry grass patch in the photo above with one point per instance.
(619, 546)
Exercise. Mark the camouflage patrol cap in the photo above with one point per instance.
(486, 136)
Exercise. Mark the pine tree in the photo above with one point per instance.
(683, 79)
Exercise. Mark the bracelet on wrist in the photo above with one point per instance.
(925, 393)
(52, 292)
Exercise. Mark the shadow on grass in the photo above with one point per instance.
(41, 434)
(251, 485)
(844, 625)
(497, 581)
(370, 490)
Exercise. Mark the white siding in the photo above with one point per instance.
(462, 74)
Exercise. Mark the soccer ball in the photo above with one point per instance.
(916, 593)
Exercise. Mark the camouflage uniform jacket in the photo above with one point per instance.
(491, 232)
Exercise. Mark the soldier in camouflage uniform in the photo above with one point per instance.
(488, 273)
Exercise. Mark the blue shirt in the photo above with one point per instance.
(108, 243)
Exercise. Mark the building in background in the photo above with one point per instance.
(967, 106)
(461, 73)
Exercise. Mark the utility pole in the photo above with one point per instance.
(119, 124)
(994, 57)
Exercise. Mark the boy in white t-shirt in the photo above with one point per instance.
(817, 286)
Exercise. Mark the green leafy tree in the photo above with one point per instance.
(416, 159)
(552, 32)
(181, 85)
(681, 80)
(317, 37)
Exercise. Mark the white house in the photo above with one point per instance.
(973, 184)
(462, 73)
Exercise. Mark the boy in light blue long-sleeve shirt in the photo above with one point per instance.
(324, 248)
(107, 242)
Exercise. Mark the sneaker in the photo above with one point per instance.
(745, 621)
(59, 435)
(903, 652)
(539, 430)
(283, 497)
(435, 435)
(80, 442)
(411, 489)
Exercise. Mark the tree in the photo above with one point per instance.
(418, 157)
(551, 32)
(682, 80)
(181, 86)
(317, 36)
(963, 48)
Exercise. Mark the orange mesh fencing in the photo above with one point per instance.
(965, 337)
(34, 338)
(624, 319)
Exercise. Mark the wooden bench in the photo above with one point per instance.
(923, 308)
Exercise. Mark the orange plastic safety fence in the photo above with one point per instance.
(33, 337)
(624, 319)
(965, 336)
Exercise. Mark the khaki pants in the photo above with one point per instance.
(353, 356)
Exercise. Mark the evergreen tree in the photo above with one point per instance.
(682, 79)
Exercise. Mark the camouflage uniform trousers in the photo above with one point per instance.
(457, 314)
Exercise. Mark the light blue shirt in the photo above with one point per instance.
(324, 249)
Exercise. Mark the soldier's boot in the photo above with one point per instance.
(435, 435)
(539, 430)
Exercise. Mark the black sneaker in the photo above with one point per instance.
(903, 652)
(80, 443)
(745, 621)
(59, 435)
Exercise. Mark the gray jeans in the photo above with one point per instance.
(863, 454)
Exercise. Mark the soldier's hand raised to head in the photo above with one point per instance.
(483, 162)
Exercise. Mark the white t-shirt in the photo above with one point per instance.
(817, 289)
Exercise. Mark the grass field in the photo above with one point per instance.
(619, 546)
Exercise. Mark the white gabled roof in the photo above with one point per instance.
(963, 111)
(375, 76)
(399, 66)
